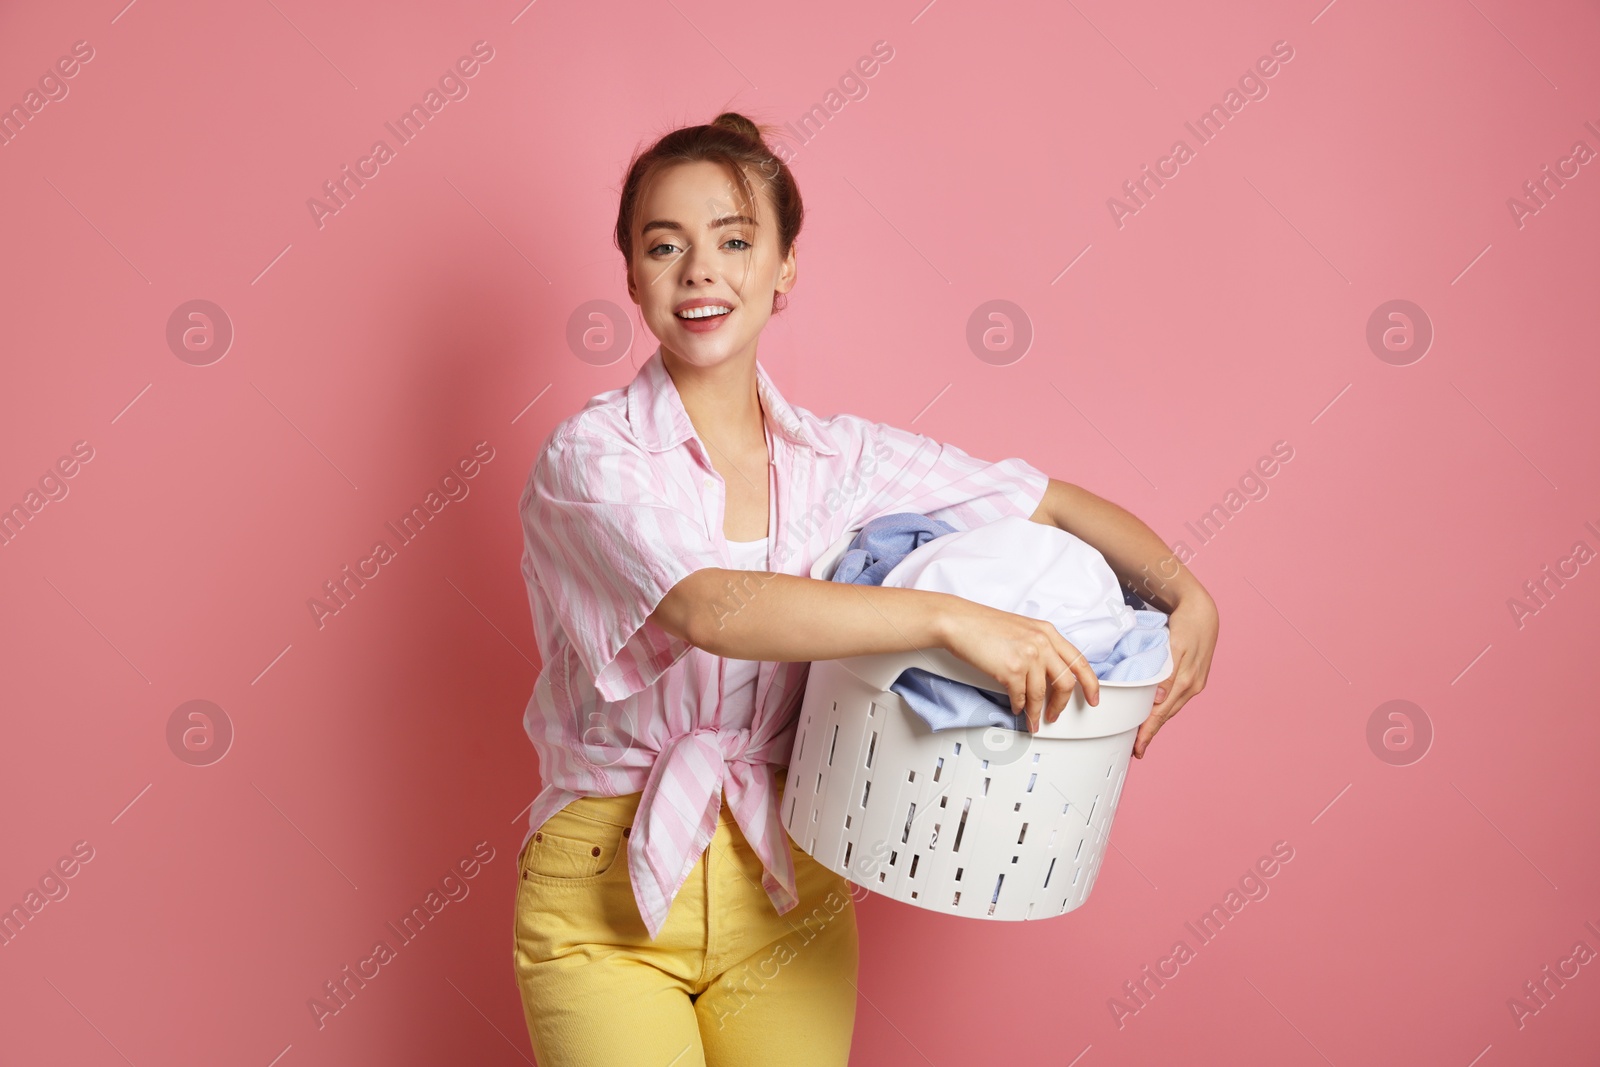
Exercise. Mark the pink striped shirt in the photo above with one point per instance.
(623, 502)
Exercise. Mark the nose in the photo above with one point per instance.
(696, 264)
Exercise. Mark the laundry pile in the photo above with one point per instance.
(1016, 565)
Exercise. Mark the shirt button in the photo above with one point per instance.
(595, 851)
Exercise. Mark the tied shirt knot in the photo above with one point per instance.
(677, 816)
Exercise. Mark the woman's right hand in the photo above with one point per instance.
(1028, 657)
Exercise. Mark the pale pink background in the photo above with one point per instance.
(372, 754)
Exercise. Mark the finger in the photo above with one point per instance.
(1147, 733)
(1141, 741)
(1176, 687)
(1078, 664)
(1036, 693)
(1181, 693)
(1159, 716)
(1062, 681)
(1164, 688)
(1171, 694)
(1062, 684)
(1017, 686)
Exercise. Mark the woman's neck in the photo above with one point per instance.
(722, 402)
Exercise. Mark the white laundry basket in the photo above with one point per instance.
(977, 821)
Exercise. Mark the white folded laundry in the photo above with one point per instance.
(1028, 568)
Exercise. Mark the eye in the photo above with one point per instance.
(659, 247)
(739, 240)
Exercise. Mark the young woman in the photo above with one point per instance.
(663, 915)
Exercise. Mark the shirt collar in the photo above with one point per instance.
(659, 420)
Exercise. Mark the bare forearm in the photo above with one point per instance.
(783, 617)
(1141, 560)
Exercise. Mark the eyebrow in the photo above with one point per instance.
(716, 224)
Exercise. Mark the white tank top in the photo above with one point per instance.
(739, 675)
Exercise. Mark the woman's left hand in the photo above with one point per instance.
(1192, 634)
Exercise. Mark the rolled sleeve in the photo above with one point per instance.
(912, 472)
(607, 538)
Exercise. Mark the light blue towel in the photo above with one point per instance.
(884, 542)
(946, 704)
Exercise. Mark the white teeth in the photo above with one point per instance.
(705, 312)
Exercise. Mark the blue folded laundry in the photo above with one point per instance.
(945, 704)
(884, 542)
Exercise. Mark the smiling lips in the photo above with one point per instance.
(703, 316)
(703, 311)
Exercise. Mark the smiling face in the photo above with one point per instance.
(695, 244)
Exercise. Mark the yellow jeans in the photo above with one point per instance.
(728, 982)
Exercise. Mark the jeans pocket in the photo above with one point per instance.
(573, 849)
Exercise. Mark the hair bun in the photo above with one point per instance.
(732, 120)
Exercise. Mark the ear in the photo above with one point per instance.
(788, 272)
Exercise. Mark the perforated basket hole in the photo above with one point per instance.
(961, 827)
(996, 898)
